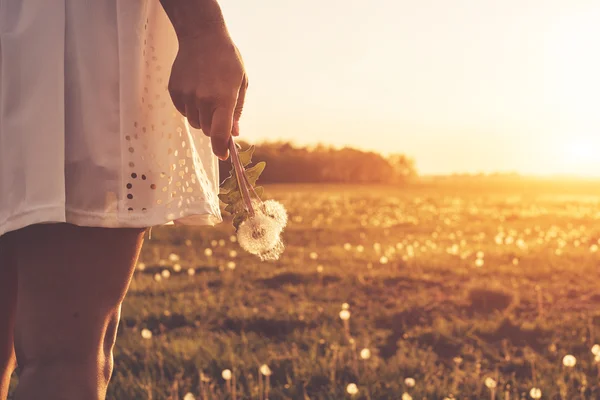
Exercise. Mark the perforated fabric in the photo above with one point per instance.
(88, 132)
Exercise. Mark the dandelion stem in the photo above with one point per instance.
(239, 176)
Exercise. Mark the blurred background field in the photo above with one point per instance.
(457, 289)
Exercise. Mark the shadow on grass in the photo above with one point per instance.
(270, 328)
(294, 279)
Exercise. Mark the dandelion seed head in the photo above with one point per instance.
(221, 242)
(313, 255)
(258, 234)
(233, 238)
(365, 354)
(141, 266)
(490, 383)
(320, 269)
(191, 271)
(276, 211)
(146, 333)
(157, 277)
(274, 253)
(231, 265)
(352, 389)
(344, 315)
(173, 257)
(177, 267)
(406, 396)
(535, 393)
(265, 370)
(596, 349)
(189, 396)
(569, 361)
(165, 273)
(232, 253)
(410, 382)
(479, 262)
(208, 252)
(226, 374)
(345, 306)
(347, 246)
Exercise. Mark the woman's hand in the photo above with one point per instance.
(208, 81)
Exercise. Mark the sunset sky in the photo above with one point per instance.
(460, 85)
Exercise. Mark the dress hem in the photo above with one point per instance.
(47, 215)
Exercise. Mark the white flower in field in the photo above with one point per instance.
(597, 358)
(265, 370)
(208, 252)
(352, 389)
(167, 313)
(457, 360)
(365, 354)
(360, 248)
(173, 257)
(188, 242)
(596, 349)
(347, 246)
(177, 267)
(214, 243)
(383, 260)
(410, 382)
(406, 396)
(231, 265)
(480, 254)
(479, 262)
(157, 277)
(344, 315)
(226, 374)
(189, 396)
(276, 211)
(191, 271)
(233, 238)
(535, 393)
(146, 333)
(490, 383)
(232, 253)
(320, 269)
(141, 266)
(515, 261)
(345, 306)
(221, 242)
(258, 234)
(165, 273)
(351, 341)
(569, 361)
(313, 255)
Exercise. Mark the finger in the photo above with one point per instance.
(192, 114)
(239, 107)
(206, 116)
(178, 102)
(220, 133)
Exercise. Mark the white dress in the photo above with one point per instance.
(88, 132)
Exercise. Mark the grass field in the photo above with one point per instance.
(457, 292)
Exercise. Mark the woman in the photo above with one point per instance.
(93, 151)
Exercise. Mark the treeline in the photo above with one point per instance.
(287, 163)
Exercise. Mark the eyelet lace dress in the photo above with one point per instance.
(88, 132)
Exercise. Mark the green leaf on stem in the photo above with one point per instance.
(254, 173)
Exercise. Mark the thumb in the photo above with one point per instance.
(220, 132)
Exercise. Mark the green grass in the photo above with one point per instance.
(422, 308)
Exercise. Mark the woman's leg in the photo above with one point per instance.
(72, 281)
(8, 304)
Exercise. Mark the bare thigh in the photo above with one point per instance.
(8, 305)
(71, 283)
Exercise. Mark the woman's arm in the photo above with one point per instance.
(208, 80)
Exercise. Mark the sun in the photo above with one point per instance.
(581, 156)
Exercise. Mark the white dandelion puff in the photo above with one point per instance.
(535, 393)
(276, 211)
(226, 374)
(165, 273)
(352, 389)
(258, 234)
(406, 396)
(265, 370)
(569, 361)
(177, 267)
(410, 382)
(490, 383)
(146, 333)
(189, 396)
(344, 315)
(596, 349)
(173, 257)
(365, 354)
(208, 252)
